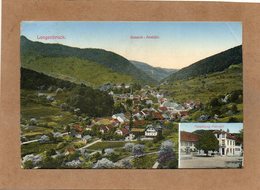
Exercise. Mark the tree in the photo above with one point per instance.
(28, 164)
(129, 103)
(236, 96)
(50, 152)
(91, 101)
(118, 108)
(233, 120)
(167, 156)
(126, 164)
(207, 142)
(234, 108)
(214, 102)
(138, 150)
(67, 128)
(131, 122)
(129, 147)
(49, 162)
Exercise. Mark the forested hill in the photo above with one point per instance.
(34, 81)
(92, 102)
(156, 73)
(115, 63)
(215, 63)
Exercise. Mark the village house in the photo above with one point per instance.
(137, 116)
(157, 116)
(148, 102)
(188, 141)
(69, 150)
(130, 137)
(139, 123)
(122, 131)
(76, 131)
(86, 138)
(172, 106)
(120, 117)
(163, 109)
(105, 128)
(152, 131)
(162, 100)
(227, 143)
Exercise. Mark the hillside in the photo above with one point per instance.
(108, 62)
(75, 70)
(92, 102)
(215, 63)
(204, 88)
(156, 73)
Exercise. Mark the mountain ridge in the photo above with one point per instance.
(109, 59)
(211, 64)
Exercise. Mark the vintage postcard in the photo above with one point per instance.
(131, 95)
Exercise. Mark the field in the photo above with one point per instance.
(104, 145)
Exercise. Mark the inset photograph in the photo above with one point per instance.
(211, 145)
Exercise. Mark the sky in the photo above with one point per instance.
(190, 127)
(175, 44)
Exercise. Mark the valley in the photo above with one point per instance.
(89, 108)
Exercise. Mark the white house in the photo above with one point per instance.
(152, 131)
(130, 137)
(227, 143)
(188, 141)
(120, 117)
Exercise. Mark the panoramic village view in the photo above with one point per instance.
(108, 95)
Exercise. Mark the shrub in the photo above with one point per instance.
(129, 146)
(103, 164)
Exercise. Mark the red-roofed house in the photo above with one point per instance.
(163, 108)
(188, 141)
(157, 116)
(105, 128)
(122, 131)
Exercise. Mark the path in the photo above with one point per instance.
(156, 164)
(36, 140)
(28, 142)
(90, 144)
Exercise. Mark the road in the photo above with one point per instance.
(90, 144)
(36, 140)
(210, 162)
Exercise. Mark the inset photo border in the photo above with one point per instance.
(211, 145)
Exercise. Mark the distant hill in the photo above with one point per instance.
(114, 68)
(215, 63)
(156, 73)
